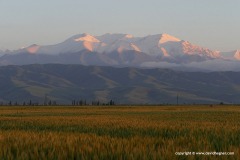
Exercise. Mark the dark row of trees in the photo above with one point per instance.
(29, 103)
(54, 103)
(93, 103)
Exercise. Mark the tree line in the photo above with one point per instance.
(93, 103)
(54, 103)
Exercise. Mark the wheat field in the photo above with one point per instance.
(119, 132)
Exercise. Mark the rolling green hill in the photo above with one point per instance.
(64, 83)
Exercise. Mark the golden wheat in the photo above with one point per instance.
(118, 132)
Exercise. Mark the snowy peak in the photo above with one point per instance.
(33, 49)
(190, 49)
(161, 50)
(129, 36)
(237, 55)
(87, 38)
(163, 47)
(233, 55)
(168, 38)
(88, 41)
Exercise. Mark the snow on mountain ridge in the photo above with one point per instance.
(191, 49)
(87, 38)
(159, 45)
(237, 55)
(233, 55)
(33, 48)
(168, 38)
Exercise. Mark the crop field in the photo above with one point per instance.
(119, 132)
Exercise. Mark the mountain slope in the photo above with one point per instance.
(125, 50)
(65, 83)
(234, 55)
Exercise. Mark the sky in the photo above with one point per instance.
(213, 24)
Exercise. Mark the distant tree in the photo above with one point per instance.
(80, 102)
(73, 102)
(177, 99)
(54, 103)
(111, 103)
(30, 103)
(221, 103)
(45, 100)
(95, 103)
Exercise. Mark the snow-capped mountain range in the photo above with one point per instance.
(160, 50)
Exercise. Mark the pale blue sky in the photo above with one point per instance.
(209, 23)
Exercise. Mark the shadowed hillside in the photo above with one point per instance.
(64, 83)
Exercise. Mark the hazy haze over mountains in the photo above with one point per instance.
(153, 51)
